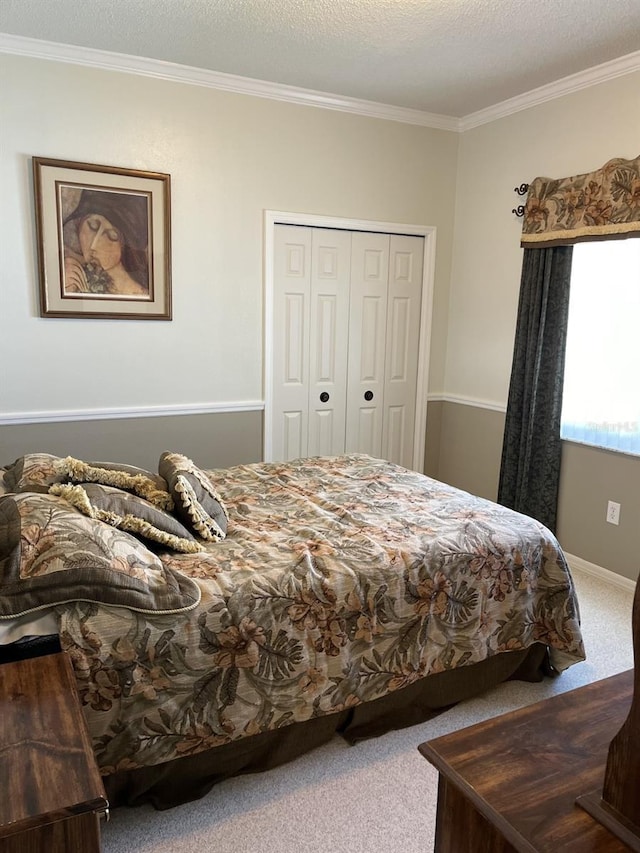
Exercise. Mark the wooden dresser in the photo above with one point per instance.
(51, 793)
(510, 783)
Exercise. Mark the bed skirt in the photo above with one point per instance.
(191, 777)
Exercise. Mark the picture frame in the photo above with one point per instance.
(104, 241)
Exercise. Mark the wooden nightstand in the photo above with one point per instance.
(52, 793)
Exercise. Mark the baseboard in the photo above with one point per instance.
(599, 572)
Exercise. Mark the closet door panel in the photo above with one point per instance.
(292, 297)
(367, 334)
(402, 341)
(329, 330)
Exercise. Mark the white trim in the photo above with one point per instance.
(161, 70)
(467, 401)
(424, 348)
(578, 564)
(62, 416)
(428, 232)
(565, 86)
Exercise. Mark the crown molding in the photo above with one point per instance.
(161, 70)
(573, 83)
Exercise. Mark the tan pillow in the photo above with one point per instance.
(129, 512)
(34, 472)
(197, 504)
(137, 480)
(50, 553)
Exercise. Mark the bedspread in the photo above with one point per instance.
(341, 579)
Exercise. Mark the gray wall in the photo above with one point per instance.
(212, 441)
(466, 441)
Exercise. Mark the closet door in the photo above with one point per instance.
(328, 340)
(401, 351)
(346, 327)
(367, 333)
(291, 301)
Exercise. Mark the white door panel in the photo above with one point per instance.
(367, 333)
(402, 341)
(329, 340)
(294, 437)
(292, 295)
(395, 433)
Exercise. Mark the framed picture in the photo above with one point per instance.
(104, 241)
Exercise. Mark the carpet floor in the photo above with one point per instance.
(379, 795)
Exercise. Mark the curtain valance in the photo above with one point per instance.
(596, 205)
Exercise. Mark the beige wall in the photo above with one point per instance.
(230, 157)
(567, 136)
(570, 135)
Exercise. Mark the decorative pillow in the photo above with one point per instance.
(197, 503)
(34, 472)
(50, 553)
(137, 480)
(128, 512)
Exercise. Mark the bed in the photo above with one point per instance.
(226, 621)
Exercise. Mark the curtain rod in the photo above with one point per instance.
(521, 190)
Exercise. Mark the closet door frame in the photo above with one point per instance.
(428, 232)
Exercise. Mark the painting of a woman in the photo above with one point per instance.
(106, 238)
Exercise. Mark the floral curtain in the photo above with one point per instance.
(596, 205)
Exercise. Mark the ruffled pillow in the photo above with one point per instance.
(196, 502)
(129, 512)
(137, 480)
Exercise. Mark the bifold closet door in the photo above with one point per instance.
(346, 308)
(367, 338)
(404, 306)
(311, 310)
(291, 298)
(384, 334)
(328, 340)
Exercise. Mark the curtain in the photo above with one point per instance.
(530, 467)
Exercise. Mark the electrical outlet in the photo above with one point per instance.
(613, 512)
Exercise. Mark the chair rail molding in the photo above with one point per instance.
(63, 415)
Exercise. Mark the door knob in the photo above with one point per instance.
(324, 397)
(368, 395)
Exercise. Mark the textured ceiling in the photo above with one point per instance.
(451, 57)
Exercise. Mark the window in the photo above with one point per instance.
(601, 402)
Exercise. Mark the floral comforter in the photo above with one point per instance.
(341, 580)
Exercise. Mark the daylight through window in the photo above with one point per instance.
(601, 402)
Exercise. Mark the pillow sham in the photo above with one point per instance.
(197, 503)
(128, 512)
(33, 472)
(137, 480)
(50, 553)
